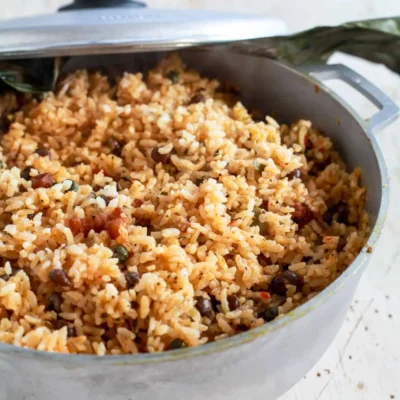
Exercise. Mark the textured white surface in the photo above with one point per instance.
(363, 363)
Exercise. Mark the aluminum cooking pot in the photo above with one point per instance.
(262, 362)
(265, 361)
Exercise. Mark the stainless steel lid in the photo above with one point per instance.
(115, 30)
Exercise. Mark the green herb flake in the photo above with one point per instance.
(173, 76)
(177, 344)
(74, 186)
(263, 226)
(258, 166)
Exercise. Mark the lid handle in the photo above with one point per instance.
(85, 4)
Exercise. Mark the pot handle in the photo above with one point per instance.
(388, 109)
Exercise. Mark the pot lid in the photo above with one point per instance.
(126, 29)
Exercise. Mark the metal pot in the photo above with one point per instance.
(265, 361)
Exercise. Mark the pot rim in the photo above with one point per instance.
(251, 335)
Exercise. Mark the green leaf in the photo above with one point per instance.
(24, 87)
(376, 40)
(31, 76)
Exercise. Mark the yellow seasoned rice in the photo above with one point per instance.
(224, 220)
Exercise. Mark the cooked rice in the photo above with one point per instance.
(189, 222)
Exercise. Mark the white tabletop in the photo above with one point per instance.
(364, 360)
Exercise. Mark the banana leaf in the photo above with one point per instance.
(30, 76)
(376, 40)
